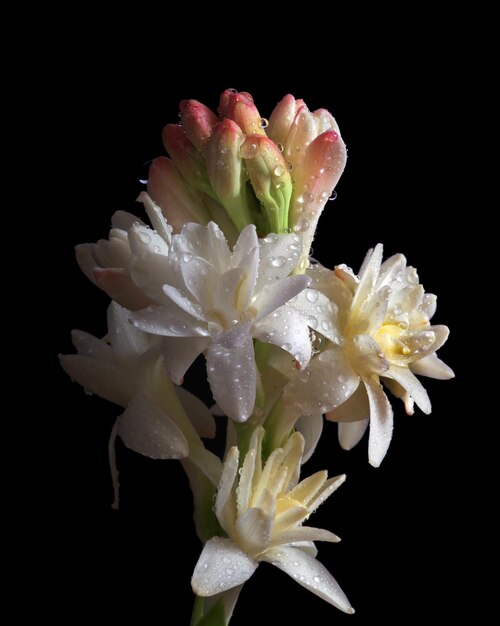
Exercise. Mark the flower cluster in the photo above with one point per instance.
(223, 270)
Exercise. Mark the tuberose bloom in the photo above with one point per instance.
(383, 336)
(126, 368)
(262, 511)
(215, 301)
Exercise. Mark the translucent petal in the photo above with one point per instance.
(170, 322)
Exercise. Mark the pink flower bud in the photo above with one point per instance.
(282, 118)
(226, 171)
(197, 122)
(321, 167)
(186, 157)
(270, 178)
(240, 108)
(179, 202)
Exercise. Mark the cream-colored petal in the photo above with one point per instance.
(432, 367)
(350, 433)
(381, 422)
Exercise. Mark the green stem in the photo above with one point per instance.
(198, 609)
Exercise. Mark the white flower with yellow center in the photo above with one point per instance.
(384, 335)
(261, 508)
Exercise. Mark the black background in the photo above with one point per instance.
(403, 525)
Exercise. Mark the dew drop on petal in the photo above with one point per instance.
(278, 261)
(263, 122)
(186, 257)
(312, 296)
(279, 170)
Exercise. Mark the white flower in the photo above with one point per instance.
(262, 510)
(215, 301)
(127, 369)
(384, 335)
(106, 262)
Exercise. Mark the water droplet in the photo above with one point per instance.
(333, 196)
(279, 170)
(281, 147)
(326, 325)
(249, 150)
(263, 122)
(318, 579)
(312, 296)
(287, 346)
(301, 226)
(156, 249)
(226, 560)
(307, 197)
(312, 321)
(278, 261)
(186, 257)
(271, 238)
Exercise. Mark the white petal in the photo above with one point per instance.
(206, 461)
(144, 240)
(306, 546)
(223, 505)
(331, 485)
(287, 329)
(351, 433)
(146, 429)
(353, 409)
(390, 269)
(219, 250)
(311, 427)
(319, 311)
(278, 256)
(232, 375)
(124, 220)
(332, 380)
(170, 322)
(126, 339)
(309, 573)
(198, 413)
(254, 530)
(183, 302)
(304, 533)
(381, 422)
(179, 354)
(405, 377)
(367, 355)
(84, 253)
(432, 367)
(121, 288)
(156, 217)
(368, 274)
(107, 380)
(222, 565)
(151, 271)
(274, 295)
(429, 304)
(88, 345)
(199, 277)
(247, 241)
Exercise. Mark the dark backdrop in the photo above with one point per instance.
(402, 525)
